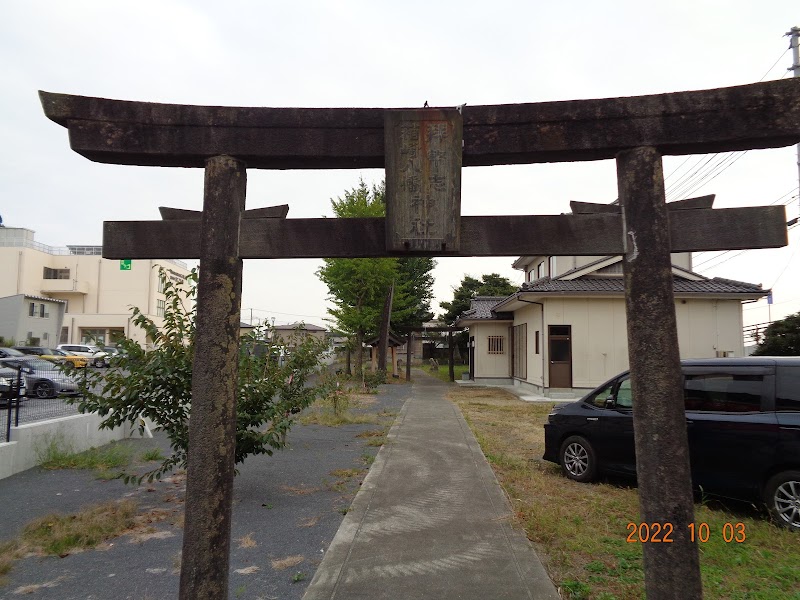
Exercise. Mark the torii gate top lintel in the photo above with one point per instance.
(760, 115)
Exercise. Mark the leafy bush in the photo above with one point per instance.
(156, 384)
(372, 379)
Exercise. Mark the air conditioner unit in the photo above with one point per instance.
(725, 353)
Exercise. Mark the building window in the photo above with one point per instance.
(43, 312)
(161, 306)
(55, 273)
(32, 309)
(536, 342)
(160, 285)
(94, 337)
(540, 270)
(64, 339)
(552, 267)
(496, 344)
(520, 366)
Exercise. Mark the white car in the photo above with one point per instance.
(99, 358)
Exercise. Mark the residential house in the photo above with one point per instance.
(33, 320)
(300, 329)
(564, 331)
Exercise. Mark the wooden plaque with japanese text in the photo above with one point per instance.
(423, 179)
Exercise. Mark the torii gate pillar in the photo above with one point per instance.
(659, 422)
(212, 426)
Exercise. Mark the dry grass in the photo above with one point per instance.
(288, 562)
(347, 473)
(309, 522)
(361, 400)
(60, 535)
(299, 490)
(330, 419)
(580, 530)
(371, 434)
(247, 541)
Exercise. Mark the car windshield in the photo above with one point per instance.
(12, 352)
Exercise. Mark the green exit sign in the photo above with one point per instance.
(125, 265)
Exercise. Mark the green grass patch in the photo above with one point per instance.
(580, 530)
(443, 372)
(55, 453)
(152, 455)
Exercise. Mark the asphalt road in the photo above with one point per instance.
(287, 508)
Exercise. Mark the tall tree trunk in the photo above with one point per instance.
(359, 352)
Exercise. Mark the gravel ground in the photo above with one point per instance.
(286, 510)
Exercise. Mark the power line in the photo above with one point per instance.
(792, 226)
(775, 65)
(716, 171)
(788, 262)
(713, 258)
(753, 307)
(709, 170)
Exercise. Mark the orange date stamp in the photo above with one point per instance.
(663, 533)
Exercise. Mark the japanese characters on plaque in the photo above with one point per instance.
(423, 179)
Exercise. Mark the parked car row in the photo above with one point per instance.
(743, 424)
(79, 355)
(42, 378)
(54, 355)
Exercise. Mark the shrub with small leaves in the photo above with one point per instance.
(156, 384)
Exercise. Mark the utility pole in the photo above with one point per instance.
(794, 44)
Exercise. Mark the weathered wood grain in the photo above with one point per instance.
(510, 235)
(760, 115)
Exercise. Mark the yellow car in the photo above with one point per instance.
(54, 355)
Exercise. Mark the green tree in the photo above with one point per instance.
(157, 384)
(358, 287)
(781, 338)
(416, 278)
(489, 285)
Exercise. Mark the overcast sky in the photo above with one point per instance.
(381, 54)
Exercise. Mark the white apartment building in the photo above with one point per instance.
(99, 293)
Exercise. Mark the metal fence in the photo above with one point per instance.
(47, 388)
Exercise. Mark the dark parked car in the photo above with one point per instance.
(10, 353)
(743, 423)
(9, 384)
(42, 378)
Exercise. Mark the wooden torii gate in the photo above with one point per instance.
(450, 354)
(636, 132)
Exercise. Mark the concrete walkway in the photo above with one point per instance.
(430, 520)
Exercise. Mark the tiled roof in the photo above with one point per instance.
(296, 325)
(717, 285)
(480, 307)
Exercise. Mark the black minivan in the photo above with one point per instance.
(742, 419)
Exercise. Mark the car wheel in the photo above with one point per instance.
(577, 458)
(44, 389)
(99, 362)
(782, 495)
